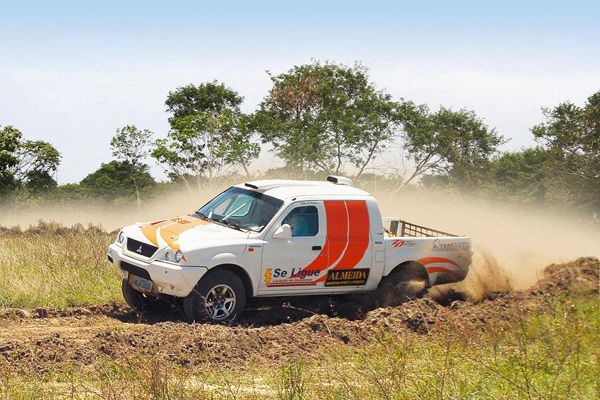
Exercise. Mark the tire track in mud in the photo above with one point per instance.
(40, 341)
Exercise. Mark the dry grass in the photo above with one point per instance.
(53, 266)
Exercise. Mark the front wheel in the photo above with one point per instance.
(135, 299)
(219, 297)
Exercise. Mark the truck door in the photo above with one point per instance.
(336, 256)
(284, 259)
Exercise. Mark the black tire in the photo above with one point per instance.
(399, 287)
(136, 299)
(203, 304)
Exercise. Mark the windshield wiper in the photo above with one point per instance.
(201, 216)
(233, 225)
(230, 224)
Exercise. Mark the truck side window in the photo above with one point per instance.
(304, 221)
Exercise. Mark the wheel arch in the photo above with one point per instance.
(237, 270)
(411, 268)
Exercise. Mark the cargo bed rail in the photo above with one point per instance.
(401, 228)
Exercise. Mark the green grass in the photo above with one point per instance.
(50, 266)
(552, 355)
(549, 356)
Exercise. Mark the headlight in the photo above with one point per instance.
(178, 256)
(173, 257)
(121, 237)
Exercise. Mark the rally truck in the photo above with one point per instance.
(271, 238)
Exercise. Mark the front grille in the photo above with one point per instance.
(144, 249)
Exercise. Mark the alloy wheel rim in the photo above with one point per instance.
(220, 302)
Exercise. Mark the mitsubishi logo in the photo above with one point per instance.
(139, 250)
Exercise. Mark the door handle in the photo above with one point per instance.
(316, 247)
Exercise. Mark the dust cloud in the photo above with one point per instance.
(512, 245)
(111, 217)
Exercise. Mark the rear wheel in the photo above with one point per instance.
(219, 297)
(400, 286)
(136, 299)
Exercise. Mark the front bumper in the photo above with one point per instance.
(170, 279)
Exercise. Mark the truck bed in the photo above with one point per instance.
(445, 256)
(401, 228)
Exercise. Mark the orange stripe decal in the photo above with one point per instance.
(432, 270)
(337, 233)
(358, 236)
(436, 260)
(357, 241)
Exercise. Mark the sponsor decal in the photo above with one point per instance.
(455, 245)
(397, 243)
(347, 277)
(275, 277)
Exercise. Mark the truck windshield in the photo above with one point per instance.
(241, 209)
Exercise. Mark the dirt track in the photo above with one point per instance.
(38, 341)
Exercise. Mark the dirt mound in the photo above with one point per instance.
(580, 276)
(115, 310)
(80, 339)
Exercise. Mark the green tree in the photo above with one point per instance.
(520, 176)
(211, 97)
(38, 160)
(208, 132)
(325, 116)
(572, 134)
(9, 142)
(26, 164)
(450, 146)
(115, 180)
(132, 146)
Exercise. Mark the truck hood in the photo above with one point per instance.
(186, 232)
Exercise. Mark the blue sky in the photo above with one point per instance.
(71, 73)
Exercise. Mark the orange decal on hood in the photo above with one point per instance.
(170, 229)
(149, 230)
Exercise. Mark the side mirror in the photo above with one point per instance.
(283, 232)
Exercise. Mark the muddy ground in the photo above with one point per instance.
(39, 341)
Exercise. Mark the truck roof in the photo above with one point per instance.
(288, 188)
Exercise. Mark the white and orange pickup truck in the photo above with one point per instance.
(281, 238)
